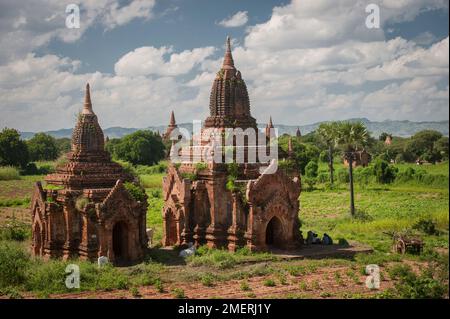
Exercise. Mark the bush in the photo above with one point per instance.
(269, 283)
(412, 286)
(311, 169)
(428, 226)
(310, 182)
(384, 172)
(342, 175)
(14, 262)
(323, 177)
(363, 175)
(135, 191)
(15, 231)
(8, 173)
(323, 157)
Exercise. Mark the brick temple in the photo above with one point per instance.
(260, 211)
(85, 210)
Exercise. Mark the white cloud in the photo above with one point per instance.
(117, 16)
(239, 19)
(322, 23)
(306, 63)
(25, 27)
(424, 38)
(151, 61)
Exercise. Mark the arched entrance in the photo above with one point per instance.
(120, 241)
(171, 228)
(274, 233)
(37, 240)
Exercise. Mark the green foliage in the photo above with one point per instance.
(8, 173)
(310, 183)
(201, 166)
(149, 170)
(384, 172)
(352, 135)
(269, 282)
(311, 169)
(81, 203)
(342, 175)
(13, 151)
(41, 168)
(135, 191)
(245, 286)
(63, 145)
(421, 145)
(15, 202)
(413, 286)
(426, 225)
(14, 262)
(441, 147)
(303, 152)
(178, 293)
(42, 147)
(207, 280)
(15, 230)
(140, 147)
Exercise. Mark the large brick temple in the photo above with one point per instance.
(85, 210)
(259, 211)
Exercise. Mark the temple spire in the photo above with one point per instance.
(172, 119)
(290, 149)
(270, 122)
(87, 108)
(228, 62)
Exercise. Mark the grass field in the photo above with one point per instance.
(219, 274)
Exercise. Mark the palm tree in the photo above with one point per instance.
(328, 132)
(352, 136)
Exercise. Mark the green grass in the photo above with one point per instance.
(8, 173)
(18, 270)
(151, 181)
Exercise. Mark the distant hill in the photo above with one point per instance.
(396, 128)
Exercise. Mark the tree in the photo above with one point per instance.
(302, 152)
(352, 136)
(13, 150)
(384, 172)
(141, 147)
(441, 146)
(42, 147)
(311, 169)
(421, 145)
(328, 132)
(63, 144)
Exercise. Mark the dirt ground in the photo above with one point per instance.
(321, 284)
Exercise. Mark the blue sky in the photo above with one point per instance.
(303, 61)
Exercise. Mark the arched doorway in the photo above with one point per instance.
(37, 240)
(274, 233)
(120, 241)
(171, 228)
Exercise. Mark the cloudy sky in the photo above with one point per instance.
(303, 60)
